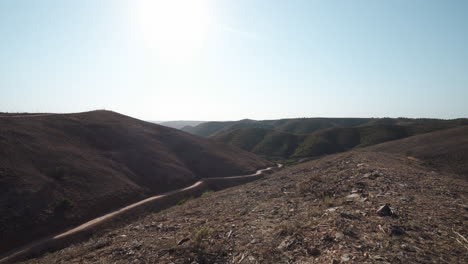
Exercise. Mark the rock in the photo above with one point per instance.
(313, 251)
(345, 257)
(378, 258)
(136, 245)
(349, 216)
(353, 196)
(327, 238)
(286, 243)
(397, 231)
(339, 235)
(332, 209)
(254, 241)
(385, 210)
(407, 248)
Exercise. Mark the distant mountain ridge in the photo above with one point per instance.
(179, 124)
(294, 126)
(306, 137)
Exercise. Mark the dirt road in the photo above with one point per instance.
(83, 231)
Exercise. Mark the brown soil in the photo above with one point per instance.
(58, 171)
(322, 211)
(445, 150)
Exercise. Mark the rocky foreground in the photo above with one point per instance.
(356, 207)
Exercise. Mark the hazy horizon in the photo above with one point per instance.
(234, 59)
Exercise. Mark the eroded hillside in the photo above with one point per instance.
(322, 211)
(57, 171)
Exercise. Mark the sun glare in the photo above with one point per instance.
(174, 29)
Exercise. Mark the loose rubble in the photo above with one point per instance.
(354, 207)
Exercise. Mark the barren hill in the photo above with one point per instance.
(354, 207)
(57, 171)
(446, 150)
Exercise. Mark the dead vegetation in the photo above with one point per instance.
(323, 211)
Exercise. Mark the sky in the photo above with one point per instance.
(235, 59)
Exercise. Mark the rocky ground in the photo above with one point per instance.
(322, 211)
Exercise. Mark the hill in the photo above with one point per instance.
(294, 126)
(274, 143)
(356, 207)
(446, 150)
(57, 171)
(179, 124)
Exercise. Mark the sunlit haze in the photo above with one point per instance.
(235, 59)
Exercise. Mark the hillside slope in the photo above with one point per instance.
(179, 124)
(57, 171)
(294, 126)
(322, 211)
(274, 143)
(446, 150)
(301, 126)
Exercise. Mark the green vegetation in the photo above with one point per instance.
(294, 126)
(181, 202)
(199, 236)
(64, 204)
(276, 144)
(207, 193)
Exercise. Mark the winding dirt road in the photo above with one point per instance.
(83, 231)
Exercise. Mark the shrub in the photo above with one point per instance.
(207, 193)
(64, 204)
(200, 235)
(181, 202)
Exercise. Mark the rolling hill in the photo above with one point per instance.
(294, 126)
(179, 124)
(446, 150)
(374, 205)
(274, 143)
(57, 171)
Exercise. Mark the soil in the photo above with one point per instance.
(354, 207)
(60, 170)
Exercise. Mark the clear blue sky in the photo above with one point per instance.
(234, 59)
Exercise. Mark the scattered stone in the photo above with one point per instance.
(378, 258)
(407, 248)
(313, 251)
(397, 231)
(385, 210)
(332, 209)
(353, 196)
(345, 257)
(327, 238)
(136, 245)
(254, 241)
(349, 216)
(339, 235)
(286, 243)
